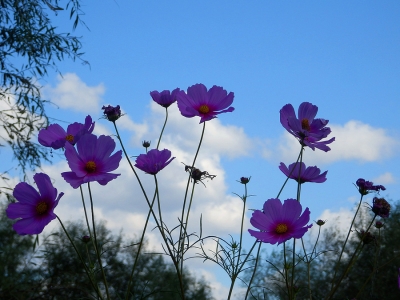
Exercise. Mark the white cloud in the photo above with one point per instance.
(354, 141)
(386, 178)
(72, 93)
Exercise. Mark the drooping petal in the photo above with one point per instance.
(52, 136)
(72, 179)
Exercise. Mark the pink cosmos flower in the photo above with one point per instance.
(153, 161)
(55, 136)
(307, 174)
(165, 98)
(91, 161)
(34, 209)
(309, 130)
(280, 222)
(205, 104)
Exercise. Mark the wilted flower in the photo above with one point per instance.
(205, 104)
(86, 239)
(91, 161)
(244, 180)
(301, 173)
(380, 207)
(320, 222)
(153, 161)
(198, 175)
(112, 113)
(379, 224)
(34, 209)
(364, 187)
(55, 136)
(280, 222)
(165, 98)
(306, 128)
(366, 237)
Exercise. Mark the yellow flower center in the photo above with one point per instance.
(90, 166)
(41, 208)
(69, 138)
(305, 124)
(281, 228)
(204, 109)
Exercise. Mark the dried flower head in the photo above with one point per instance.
(198, 175)
(244, 180)
(320, 222)
(380, 207)
(112, 113)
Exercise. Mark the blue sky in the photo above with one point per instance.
(341, 56)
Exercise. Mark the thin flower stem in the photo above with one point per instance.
(233, 279)
(241, 225)
(84, 209)
(344, 245)
(377, 251)
(96, 244)
(351, 262)
(294, 240)
(140, 247)
(130, 164)
(175, 262)
(285, 267)
(279, 193)
(95, 287)
(162, 131)
(182, 238)
(254, 273)
(375, 271)
(186, 222)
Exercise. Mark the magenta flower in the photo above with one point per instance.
(55, 136)
(280, 222)
(205, 104)
(364, 186)
(112, 113)
(34, 209)
(307, 174)
(306, 128)
(153, 161)
(165, 98)
(91, 161)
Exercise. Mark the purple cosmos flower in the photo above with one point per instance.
(112, 113)
(34, 209)
(380, 207)
(364, 186)
(280, 222)
(205, 104)
(91, 161)
(55, 136)
(165, 98)
(306, 128)
(307, 174)
(153, 161)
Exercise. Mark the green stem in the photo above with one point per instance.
(351, 262)
(254, 272)
(96, 244)
(181, 237)
(140, 247)
(87, 271)
(344, 245)
(162, 131)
